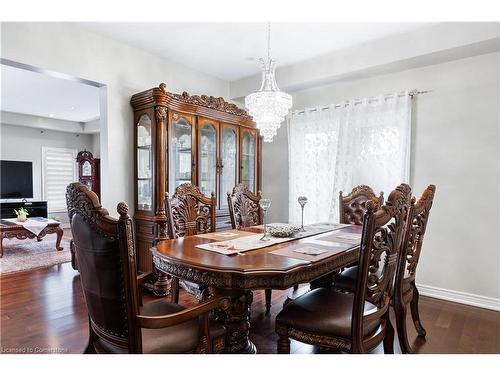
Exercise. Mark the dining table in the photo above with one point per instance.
(308, 258)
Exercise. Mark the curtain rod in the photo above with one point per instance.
(411, 94)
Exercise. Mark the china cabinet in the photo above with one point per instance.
(89, 171)
(182, 138)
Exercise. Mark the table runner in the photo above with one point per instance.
(35, 225)
(225, 236)
(253, 242)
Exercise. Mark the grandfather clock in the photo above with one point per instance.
(89, 171)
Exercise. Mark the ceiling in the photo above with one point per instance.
(37, 94)
(229, 50)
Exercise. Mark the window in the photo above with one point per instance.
(58, 171)
(341, 146)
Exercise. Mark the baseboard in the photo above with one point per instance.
(460, 297)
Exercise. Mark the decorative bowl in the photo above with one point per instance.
(282, 230)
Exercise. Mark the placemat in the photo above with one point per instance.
(343, 237)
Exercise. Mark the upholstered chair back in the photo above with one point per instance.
(244, 207)
(352, 207)
(104, 248)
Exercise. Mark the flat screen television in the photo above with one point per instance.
(16, 179)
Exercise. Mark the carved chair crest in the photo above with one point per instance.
(80, 199)
(244, 207)
(190, 212)
(352, 207)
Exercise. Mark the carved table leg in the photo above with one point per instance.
(161, 287)
(59, 238)
(268, 301)
(236, 319)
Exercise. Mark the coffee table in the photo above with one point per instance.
(14, 230)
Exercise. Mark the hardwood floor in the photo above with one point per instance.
(43, 311)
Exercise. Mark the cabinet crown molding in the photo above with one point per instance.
(160, 96)
(211, 102)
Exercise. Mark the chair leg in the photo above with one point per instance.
(90, 349)
(414, 312)
(402, 331)
(175, 289)
(389, 335)
(296, 287)
(283, 344)
(268, 301)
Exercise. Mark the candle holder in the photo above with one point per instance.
(302, 201)
(265, 203)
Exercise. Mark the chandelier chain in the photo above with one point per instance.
(269, 41)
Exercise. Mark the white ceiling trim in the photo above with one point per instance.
(43, 94)
(45, 123)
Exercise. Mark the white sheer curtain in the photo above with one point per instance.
(338, 147)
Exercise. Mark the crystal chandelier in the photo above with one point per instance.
(268, 106)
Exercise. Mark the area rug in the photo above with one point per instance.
(22, 255)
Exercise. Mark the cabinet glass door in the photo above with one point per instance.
(144, 165)
(248, 160)
(207, 165)
(228, 156)
(181, 154)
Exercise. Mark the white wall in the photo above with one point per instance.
(96, 145)
(455, 145)
(25, 144)
(125, 70)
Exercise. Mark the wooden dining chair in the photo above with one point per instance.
(118, 320)
(245, 211)
(358, 322)
(352, 207)
(244, 207)
(405, 290)
(189, 213)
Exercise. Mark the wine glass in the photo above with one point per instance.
(302, 201)
(265, 203)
